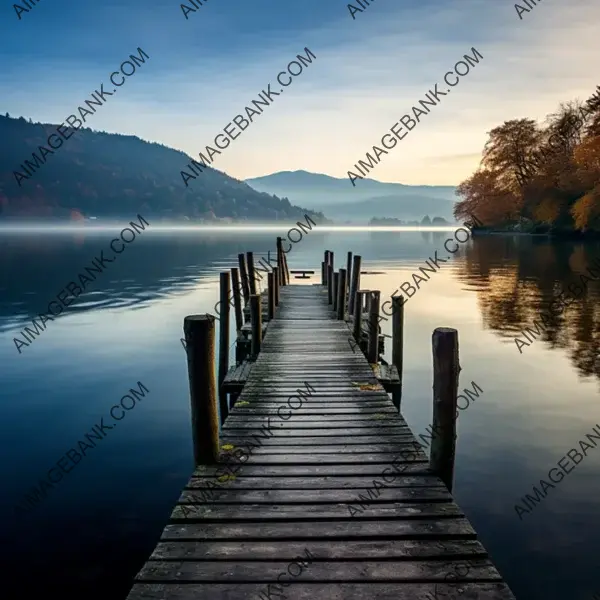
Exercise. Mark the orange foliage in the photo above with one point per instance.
(586, 211)
(548, 210)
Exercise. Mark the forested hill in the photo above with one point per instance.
(110, 175)
(543, 178)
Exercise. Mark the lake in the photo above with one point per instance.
(97, 526)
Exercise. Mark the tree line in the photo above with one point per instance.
(539, 177)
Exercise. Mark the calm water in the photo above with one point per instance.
(97, 527)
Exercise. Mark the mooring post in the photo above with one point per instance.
(224, 343)
(341, 299)
(331, 257)
(271, 297)
(397, 344)
(373, 344)
(334, 291)
(348, 271)
(281, 261)
(358, 310)
(355, 285)
(323, 276)
(326, 263)
(199, 333)
(329, 284)
(446, 369)
(251, 273)
(237, 298)
(244, 276)
(256, 320)
(277, 282)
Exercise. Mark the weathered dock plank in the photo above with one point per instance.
(321, 490)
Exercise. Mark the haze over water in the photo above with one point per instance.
(101, 522)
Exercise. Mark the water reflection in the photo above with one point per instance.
(517, 277)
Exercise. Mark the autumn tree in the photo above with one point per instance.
(485, 199)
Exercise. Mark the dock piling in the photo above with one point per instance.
(329, 284)
(348, 271)
(277, 283)
(397, 344)
(256, 320)
(373, 343)
(244, 276)
(341, 296)
(355, 283)
(334, 291)
(358, 310)
(271, 297)
(199, 332)
(223, 343)
(446, 369)
(251, 273)
(237, 298)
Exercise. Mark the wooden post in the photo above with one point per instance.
(276, 277)
(341, 297)
(326, 262)
(355, 285)
(348, 271)
(199, 332)
(251, 273)
(331, 259)
(281, 263)
(237, 298)
(357, 330)
(286, 267)
(323, 276)
(373, 345)
(445, 392)
(397, 344)
(244, 276)
(256, 320)
(334, 291)
(224, 344)
(329, 284)
(271, 292)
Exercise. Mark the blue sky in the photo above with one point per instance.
(368, 73)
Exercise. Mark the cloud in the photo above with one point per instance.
(368, 73)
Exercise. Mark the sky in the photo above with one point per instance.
(368, 72)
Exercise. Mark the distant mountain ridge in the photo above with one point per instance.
(339, 200)
(111, 175)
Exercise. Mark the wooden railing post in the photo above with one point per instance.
(323, 276)
(276, 277)
(334, 291)
(329, 284)
(271, 297)
(224, 343)
(358, 310)
(446, 369)
(348, 271)
(373, 344)
(256, 320)
(199, 332)
(397, 344)
(326, 261)
(244, 276)
(251, 273)
(341, 297)
(237, 298)
(355, 285)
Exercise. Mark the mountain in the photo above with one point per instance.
(110, 176)
(337, 198)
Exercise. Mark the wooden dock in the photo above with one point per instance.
(319, 492)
